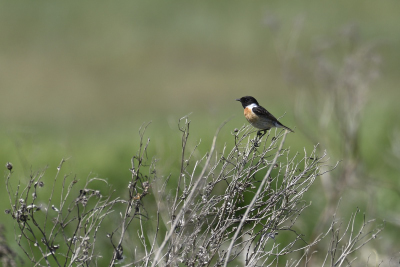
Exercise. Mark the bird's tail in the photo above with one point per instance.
(287, 128)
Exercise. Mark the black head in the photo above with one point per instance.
(247, 100)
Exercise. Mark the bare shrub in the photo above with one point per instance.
(238, 204)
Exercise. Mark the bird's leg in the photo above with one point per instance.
(260, 135)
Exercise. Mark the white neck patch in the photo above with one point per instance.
(252, 106)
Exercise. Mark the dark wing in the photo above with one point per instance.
(260, 111)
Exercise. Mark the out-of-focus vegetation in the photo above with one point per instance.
(78, 79)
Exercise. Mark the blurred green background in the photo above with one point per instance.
(77, 79)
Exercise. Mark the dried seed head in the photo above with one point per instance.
(119, 253)
(9, 166)
(30, 207)
(54, 208)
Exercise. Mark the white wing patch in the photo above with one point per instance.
(252, 106)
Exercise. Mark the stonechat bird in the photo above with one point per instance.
(258, 116)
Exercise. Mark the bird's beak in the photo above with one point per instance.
(237, 99)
